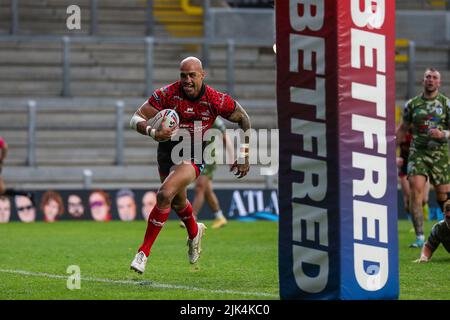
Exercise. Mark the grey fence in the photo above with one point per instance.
(33, 109)
(229, 44)
(93, 10)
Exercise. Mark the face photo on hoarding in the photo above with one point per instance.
(126, 205)
(75, 205)
(100, 205)
(5, 209)
(148, 202)
(25, 209)
(52, 206)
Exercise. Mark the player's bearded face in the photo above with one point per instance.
(431, 81)
(191, 81)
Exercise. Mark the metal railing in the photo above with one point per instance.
(209, 19)
(14, 29)
(93, 26)
(149, 42)
(33, 109)
(149, 75)
(410, 59)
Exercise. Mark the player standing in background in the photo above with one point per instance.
(428, 116)
(203, 187)
(194, 101)
(402, 164)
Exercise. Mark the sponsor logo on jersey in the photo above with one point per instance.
(155, 95)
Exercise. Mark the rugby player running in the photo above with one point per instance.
(194, 101)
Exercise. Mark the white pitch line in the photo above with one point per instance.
(143, 282)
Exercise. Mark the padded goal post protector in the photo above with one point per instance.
(337, 179)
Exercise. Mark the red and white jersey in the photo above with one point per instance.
(210, 104)
(2, 143)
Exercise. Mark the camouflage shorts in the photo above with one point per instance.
(209, 170)
(430, 163)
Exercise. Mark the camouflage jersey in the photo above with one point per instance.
(211, 167)
(220, 125)
(428, 156)
(440, 233)
(426, 114)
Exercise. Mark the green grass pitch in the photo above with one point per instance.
(238, 262)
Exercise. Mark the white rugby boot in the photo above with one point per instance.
(195, 245)
(139, 262)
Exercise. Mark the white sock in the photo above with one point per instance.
(218, 214)
(421, 237)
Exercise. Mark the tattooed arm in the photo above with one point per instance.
(241, 165)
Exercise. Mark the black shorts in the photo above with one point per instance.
(165, 162)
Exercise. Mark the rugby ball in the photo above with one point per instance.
(166, 118)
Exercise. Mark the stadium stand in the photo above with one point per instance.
(119, 70)
(80, 131)
(422, 4)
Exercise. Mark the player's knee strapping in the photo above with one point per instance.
(445, 204)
